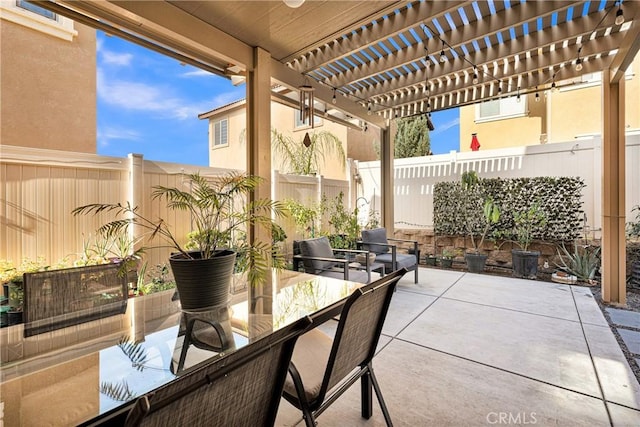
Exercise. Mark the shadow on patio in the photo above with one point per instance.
(468, 349)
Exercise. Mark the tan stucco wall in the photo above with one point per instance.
(48, 89)
(571, 113)
(282, 119)
(574, 112)
(517, 131)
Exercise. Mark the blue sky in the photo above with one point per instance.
(149, 104)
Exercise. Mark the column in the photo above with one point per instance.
(613, 191)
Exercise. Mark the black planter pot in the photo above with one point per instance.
(203, 283)
(446, 262)
(635, 274)
(430, 260)
(525, 263)
(475, 262)
(14, 317)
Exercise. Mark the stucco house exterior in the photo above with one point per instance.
(227, 141)
(571, 111)
(48, 80)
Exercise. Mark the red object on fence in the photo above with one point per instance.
(475, 144)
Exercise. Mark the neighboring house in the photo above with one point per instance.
(227, 142)
(570, 112)
(48, 79)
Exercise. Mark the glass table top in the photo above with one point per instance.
(154, 343)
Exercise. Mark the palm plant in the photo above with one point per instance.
(304, 158)
(216, 214)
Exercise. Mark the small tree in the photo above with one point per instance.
(412, 138)
(301, 159)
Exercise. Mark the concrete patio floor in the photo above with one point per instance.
(464, 349)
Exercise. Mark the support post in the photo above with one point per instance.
(613, 191)
(259, 161)
(386, 179)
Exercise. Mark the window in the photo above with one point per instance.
(31, 15)
(36, 9)
(220, 133)
(503, 108)
(317, 121)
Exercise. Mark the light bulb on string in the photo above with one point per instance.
(619, 15)
(475, 75)
(369, 110)
(537, 95)
(578, 64)
(334, 100)
(443, 57)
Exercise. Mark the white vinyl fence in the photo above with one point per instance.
(416, 177)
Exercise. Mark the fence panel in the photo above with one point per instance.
(415, 177)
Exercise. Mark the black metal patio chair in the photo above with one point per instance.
(318, 257)
(322, 369)
(387, 250)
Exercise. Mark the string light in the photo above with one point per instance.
(619, 15)
(475, 75)
(537, 95)
(443, 57)
(518, 97)
(579, 61)
(369, 109)
(334, 100)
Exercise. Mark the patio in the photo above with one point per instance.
(468, 349)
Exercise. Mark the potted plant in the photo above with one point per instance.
(203, 274)
(526, 224)
(344, 229)
(448, 254)
(480, 214)
(12, 278)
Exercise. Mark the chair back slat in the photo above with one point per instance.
(243, 388)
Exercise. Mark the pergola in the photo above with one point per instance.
(372, 61)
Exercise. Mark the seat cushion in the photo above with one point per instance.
(377, 235)
(320, 248)
(354, 275)
(402, 260)
(310, 357)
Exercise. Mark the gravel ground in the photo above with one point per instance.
(633, 304)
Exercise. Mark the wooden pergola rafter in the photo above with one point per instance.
(370, 61)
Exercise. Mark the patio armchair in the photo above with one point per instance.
(243, 388)
(387, 250)
(322, 369)
(319, 258)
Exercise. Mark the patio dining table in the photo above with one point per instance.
(97, 381)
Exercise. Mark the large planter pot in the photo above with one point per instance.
(203, 283)
(430, 260)
(446, 262)
(475, 262)
(525, 263)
